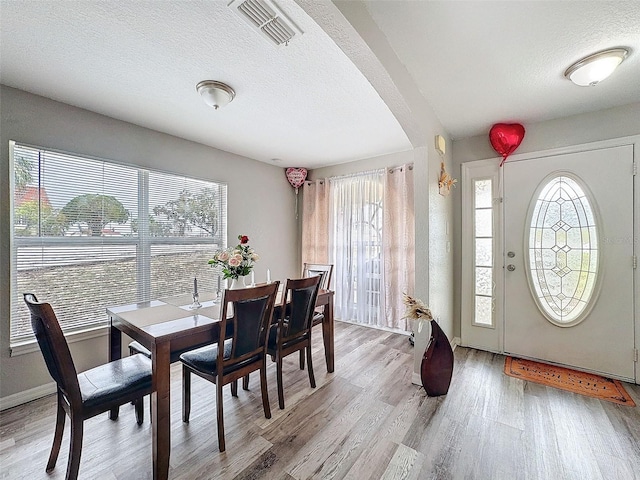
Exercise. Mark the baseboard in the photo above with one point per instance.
(455, 341)
(27, 396)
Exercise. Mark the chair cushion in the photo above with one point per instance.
(112, 380)
(273, 338)
(318, 318)
(135, 347)
(205, 359)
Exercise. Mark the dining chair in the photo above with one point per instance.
(87, 394)
(324, 271)
(292, 333)
(234, 358)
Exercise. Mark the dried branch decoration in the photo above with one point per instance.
(445, 181)
(416, 309)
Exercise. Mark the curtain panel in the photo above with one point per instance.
(315, 222)
(398, 244)
(356, 246)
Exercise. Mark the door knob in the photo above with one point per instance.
(511, 268)
(511, 254)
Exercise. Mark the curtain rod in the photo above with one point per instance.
(367, 172)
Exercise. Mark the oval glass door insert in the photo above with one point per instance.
(563, 251)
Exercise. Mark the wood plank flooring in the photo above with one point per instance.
(365, 421)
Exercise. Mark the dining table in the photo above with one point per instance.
(168, 326)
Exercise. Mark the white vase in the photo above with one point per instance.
(236, 283)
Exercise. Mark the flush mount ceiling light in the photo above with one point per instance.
(593, 69)
(215, 94)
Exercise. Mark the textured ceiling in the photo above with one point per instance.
(475, 63)
(482, 62)
(305, 103)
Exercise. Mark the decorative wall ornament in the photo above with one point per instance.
(445, 182)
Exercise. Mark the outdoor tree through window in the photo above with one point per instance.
(89, 233)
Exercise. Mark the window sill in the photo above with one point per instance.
(30, 346)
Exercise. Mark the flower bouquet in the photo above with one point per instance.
(236, 261)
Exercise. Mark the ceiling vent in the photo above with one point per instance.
(265, 17)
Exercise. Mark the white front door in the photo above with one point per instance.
(568, 257)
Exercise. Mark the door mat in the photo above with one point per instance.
(566, 379)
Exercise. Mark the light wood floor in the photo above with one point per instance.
(365, 421)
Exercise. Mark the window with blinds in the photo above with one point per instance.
(88, 234)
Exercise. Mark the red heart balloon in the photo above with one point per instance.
(505, 138)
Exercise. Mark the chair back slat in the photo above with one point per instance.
(252, 310)
(323, 270)
(302, 294)
(53, 346)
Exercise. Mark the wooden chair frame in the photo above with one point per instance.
(293, 330)
(324, 271)
(55, 351)
(237, 366)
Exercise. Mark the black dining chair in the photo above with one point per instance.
(324, 271)
(84, 395)
(236, 357)
(292, 333)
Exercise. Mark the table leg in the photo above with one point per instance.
(327, 333)
(160, 411)
(115, 353)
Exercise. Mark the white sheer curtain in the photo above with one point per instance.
(355, 246)
(364, 225)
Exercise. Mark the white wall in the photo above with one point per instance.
(563, 132)
(260, 202)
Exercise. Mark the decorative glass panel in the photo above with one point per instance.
(483, 193)
(563, 251)
(483, 245)
(483, 311)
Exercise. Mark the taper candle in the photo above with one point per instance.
(268, 276)
(195, 285)
(253, 277)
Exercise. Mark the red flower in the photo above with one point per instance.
(243, 239)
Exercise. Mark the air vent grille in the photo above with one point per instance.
(257, 12)
(268, 19)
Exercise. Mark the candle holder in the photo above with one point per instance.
(218, 296)
(196, 304)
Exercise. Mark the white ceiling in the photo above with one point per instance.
(476, 63)
(482, 62)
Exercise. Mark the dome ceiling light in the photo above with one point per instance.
(593, 69)
(215, 94)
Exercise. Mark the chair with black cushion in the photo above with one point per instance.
(292, 333)
(236, 357)
(84, 395)
(324, 271)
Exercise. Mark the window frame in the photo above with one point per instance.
(142, 241)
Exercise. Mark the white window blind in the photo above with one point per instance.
(88, 234)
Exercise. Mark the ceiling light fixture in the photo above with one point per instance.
(215, 94)
(593, 69)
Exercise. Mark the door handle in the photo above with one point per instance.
(511, 267)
